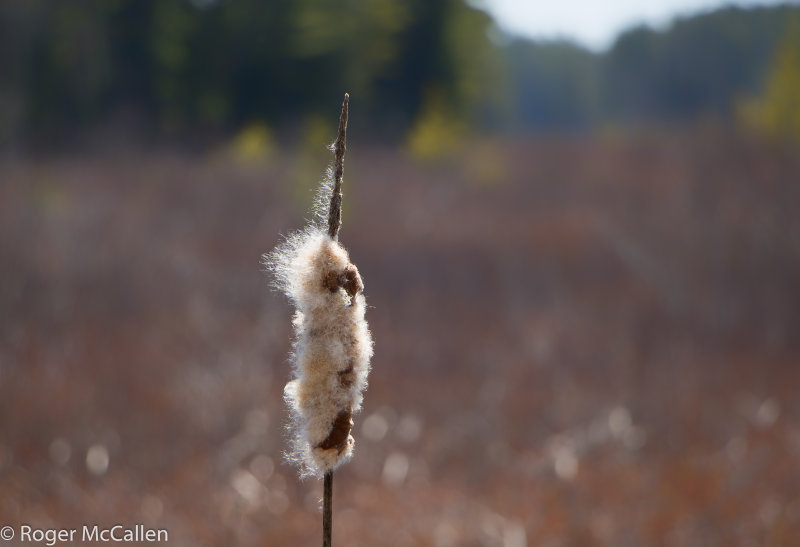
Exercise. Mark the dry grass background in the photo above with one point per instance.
(579, 342)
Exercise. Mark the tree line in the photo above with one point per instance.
(204, 68)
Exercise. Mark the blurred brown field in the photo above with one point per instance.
(579, 341)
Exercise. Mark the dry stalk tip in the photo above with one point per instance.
(339, 148)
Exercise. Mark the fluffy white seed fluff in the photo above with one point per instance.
(332, 347)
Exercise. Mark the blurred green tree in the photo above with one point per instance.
(696, 67)
(777, 111)
(425, 70)
(183, 67)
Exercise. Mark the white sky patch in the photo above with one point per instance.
(591, 23)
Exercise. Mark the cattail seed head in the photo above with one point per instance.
(332, 346)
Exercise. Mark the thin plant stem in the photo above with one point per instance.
(334, 223)
(339, 148)
(327, 509)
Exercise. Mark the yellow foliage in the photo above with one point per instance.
(777, 111)
(253, 143)
(436, 134)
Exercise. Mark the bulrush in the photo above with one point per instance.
(332, 345)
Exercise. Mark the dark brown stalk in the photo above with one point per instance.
(334, 223)
(335, 214)
(327, 509)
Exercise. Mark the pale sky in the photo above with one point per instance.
(594, 23)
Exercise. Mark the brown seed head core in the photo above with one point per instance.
(337, 438)
(349, 280)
